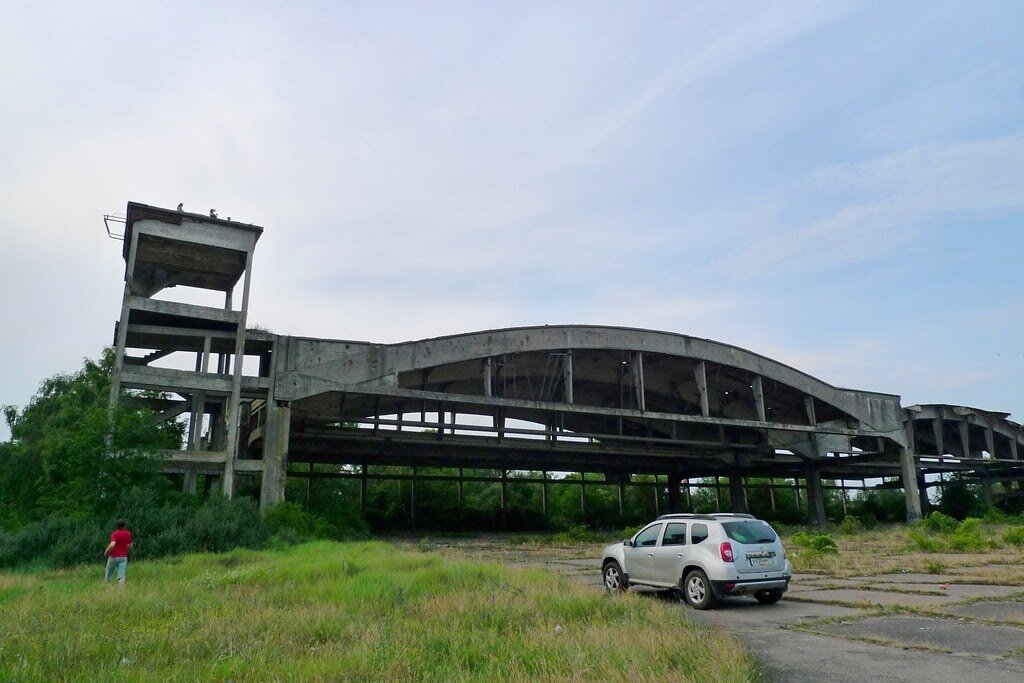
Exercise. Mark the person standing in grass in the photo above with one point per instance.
(117, 552)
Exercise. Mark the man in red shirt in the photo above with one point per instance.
(117, 552)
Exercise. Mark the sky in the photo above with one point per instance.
(838, 186)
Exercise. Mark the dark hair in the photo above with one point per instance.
(121, 523)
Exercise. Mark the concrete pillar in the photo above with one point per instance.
(922, 487)
(771, 493)
(701, 377)
(718, 495)
(737, 494)
(673, 493)
(544, 494)
(189, 483)
(657, 496)
(758, 389)
(815, 499)
(362, 490)
(567, 377)
(275, 456)
(986, 489)
(583, 494)
(940, 446)
(965, 438)
(622, 494)
(908, 473)
(412, 498)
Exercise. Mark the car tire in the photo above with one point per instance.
(614, 580)
(697, 590)
(769, 597)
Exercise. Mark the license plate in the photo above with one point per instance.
(761, 561)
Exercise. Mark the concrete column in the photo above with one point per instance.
(965, 438)
(583, 494)
(189, 483)
(922, 487)
(718, 495)
(908, 473)
(815, 499)
(771, 493)
(567, 377)
(701, 377)
(940, 447)
(362, 490)
(986, 489)
(673, 493)
(737, 494)
(657, 496)
(412, 498)
(622, 494)
(275, 456)
(544, 494)
(638, 381)
(990, 442)
(758, 389)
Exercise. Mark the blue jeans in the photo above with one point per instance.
(118, 563)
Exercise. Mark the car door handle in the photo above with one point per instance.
(650, 554)
(679, 554)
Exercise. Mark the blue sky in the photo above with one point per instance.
(836, 185)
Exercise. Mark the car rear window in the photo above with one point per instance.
(749, 531)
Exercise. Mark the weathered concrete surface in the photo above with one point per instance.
(1008, 611)
(798, 640)
(949, 635)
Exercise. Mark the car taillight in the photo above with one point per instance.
(726, 550)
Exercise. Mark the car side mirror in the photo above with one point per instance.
(628, 543)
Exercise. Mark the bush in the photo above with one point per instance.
(171, 528)
(850, 525)
(579, 533)
(1014, 535)
(968, 536)
(928, 542)
(816, 541)
(934, 567)
(868, 521)
(939, 522)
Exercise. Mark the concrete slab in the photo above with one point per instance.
(861, 598)
(960, 591)
(907, 578)
(798, 656)
(995, 610)
(948, 635)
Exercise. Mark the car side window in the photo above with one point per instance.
(675, 534)
(698, 533)
(648, 536)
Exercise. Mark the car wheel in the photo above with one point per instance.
(697, 590)
(614, 580)
(769, 597)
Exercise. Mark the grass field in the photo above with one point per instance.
(357, 611)
(892, 548)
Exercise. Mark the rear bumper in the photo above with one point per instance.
(750, 586)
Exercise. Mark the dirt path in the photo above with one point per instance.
(889, 627)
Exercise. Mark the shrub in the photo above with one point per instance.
(216, 524)
(579, 533)
(1014, 535)
(850, 525)
(940, 522)
(968, 536)
(291, 521)
(868, 521)
(816, 541)
(934, 567)
(928, 542)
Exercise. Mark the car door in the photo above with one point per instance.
(670, 555)
(640, 557)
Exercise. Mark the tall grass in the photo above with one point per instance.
(356, 611)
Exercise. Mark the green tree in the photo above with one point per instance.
(58, 461)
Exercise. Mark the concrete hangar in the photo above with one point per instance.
(613, 401)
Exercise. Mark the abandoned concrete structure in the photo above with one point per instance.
(607, 400)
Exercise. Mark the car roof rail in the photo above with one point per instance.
(684, 515)
(740, 515)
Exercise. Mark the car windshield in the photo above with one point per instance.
(751, 531)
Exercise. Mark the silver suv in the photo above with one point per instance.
(704, 556)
